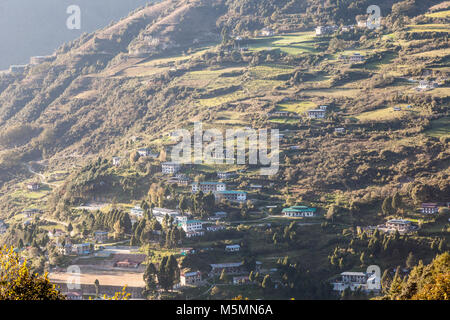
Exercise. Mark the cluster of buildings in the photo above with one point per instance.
(325, 30)
(426, 85)
(219, 189)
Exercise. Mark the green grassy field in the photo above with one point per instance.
(293, 44)
(440, 128)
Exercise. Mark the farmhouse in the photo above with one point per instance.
(170, 167)
(190, 278)
(316, 114)
(206, 187)
(339, 130)
(116, 161)
(400, 225)
(429, 208)
(33, 186)
(237, 196)
(233, 248)
(299, 211)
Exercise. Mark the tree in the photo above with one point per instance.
(69, 227)
(267, 283)
(386, 207)
(224, 277)
(411, 260)
(97, 288)
(18, 283)
(396, 202)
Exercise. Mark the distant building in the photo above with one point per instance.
(74, 296)
(237, 196)
(226, 175)
(146, 152)
(190, 278)
(299, 211)
(339, 130)
(325, 30)
(34, 186)
(170, 167)
(362, 24)
(397, 109)
(238, 280)
(400, 225)
(427, 85)
(357, 280)
(266, 32)
(82, 248)
(214, 228)
(116, 161)
(101, 236)
(356, 58)
(127, 263)
(231, 268)
(323, 108)
(191, 226)
(429, 208)
(206, 187)
(233, 248)
(316, 114)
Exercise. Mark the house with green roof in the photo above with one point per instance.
(299, 211)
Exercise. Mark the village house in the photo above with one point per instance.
(116, 161)
(181, 180)
(31, 212)
(206, 187)
(427, 85)
(232, 248)
(191, 226)
(357, 280)
(235, 196)
(170, 167)
(101, 236)
(226, 175)
(266, 32)
(325, 30)
(190, 278)
(316, 114)
(73, 295)
(238, 280)
(127, 263)
(82, 248)
(339, 130)
(400, 225)
(256, 186)
(356, 58)
(146, 152)
(214, 228)
(299, 211)
(429, 208)
(33, 186)
(65, 249)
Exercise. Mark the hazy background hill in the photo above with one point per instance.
(30, 27)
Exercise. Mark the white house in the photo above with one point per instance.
(237, 196)
(190, 278)
(170, 167)
(116, 161)
(207, 186)
(357, 280)
(232, 248)
(316, 114)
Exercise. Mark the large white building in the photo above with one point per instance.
(170, 167)
(206, 186)
(357, 280)
(238, 196)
